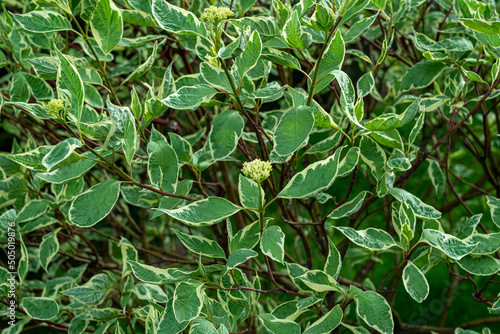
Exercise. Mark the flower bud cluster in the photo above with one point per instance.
(257, 170)
(215, 14)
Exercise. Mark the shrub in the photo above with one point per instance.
(250, 167)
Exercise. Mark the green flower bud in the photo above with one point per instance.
(215, 14)
(257, 170)
(55, 108)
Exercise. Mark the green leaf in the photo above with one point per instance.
(163, 167)
(247, 237)
(327, 323)
(365, 84)
(332, 59)
(189, 97)
(215, 77)
(205, 212)
(293, 130)
(333, 263)
(60, 152)
(279, 57)
(318, 281)
(40, 308)
(187, 300)
(371, 238)
(390, 138)
(359, 28)
(240, 256)
(483, 265)
(101, 198)
(78, 324)
(144, 67)
(374, 310)
(450, 245)
(272, 243)
(437, 177)
(107, 25)
(32, 210)
(293, 34)
(398, 161)
(374, 156)
(482, 26)
(227, 128)
(469, 226)
(494, 205)
(279, 326)
(68, 79)
(415, 282)
(177, 20)
(314, 178)
(421, 75)
(48, 248)
(421, 209)
(486, 243)
(391, 121)
(349, 208)
(70, 171)
(248, 191)
(150, 274)
(249, 57)
(200, 245)
(93, 292)
(417, 128)
(168, 324)
(42, 21)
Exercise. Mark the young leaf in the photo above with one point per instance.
(107, 25)
(415, 282)
(437, 177)
(273, 242)
(248, 59)
(293, 34)
(69, 80)
(200, 245)
(101, 197)
(205, 212)
(248, 191)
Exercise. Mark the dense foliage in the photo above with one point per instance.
(250, 166)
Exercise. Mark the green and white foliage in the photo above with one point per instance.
(267, 166)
